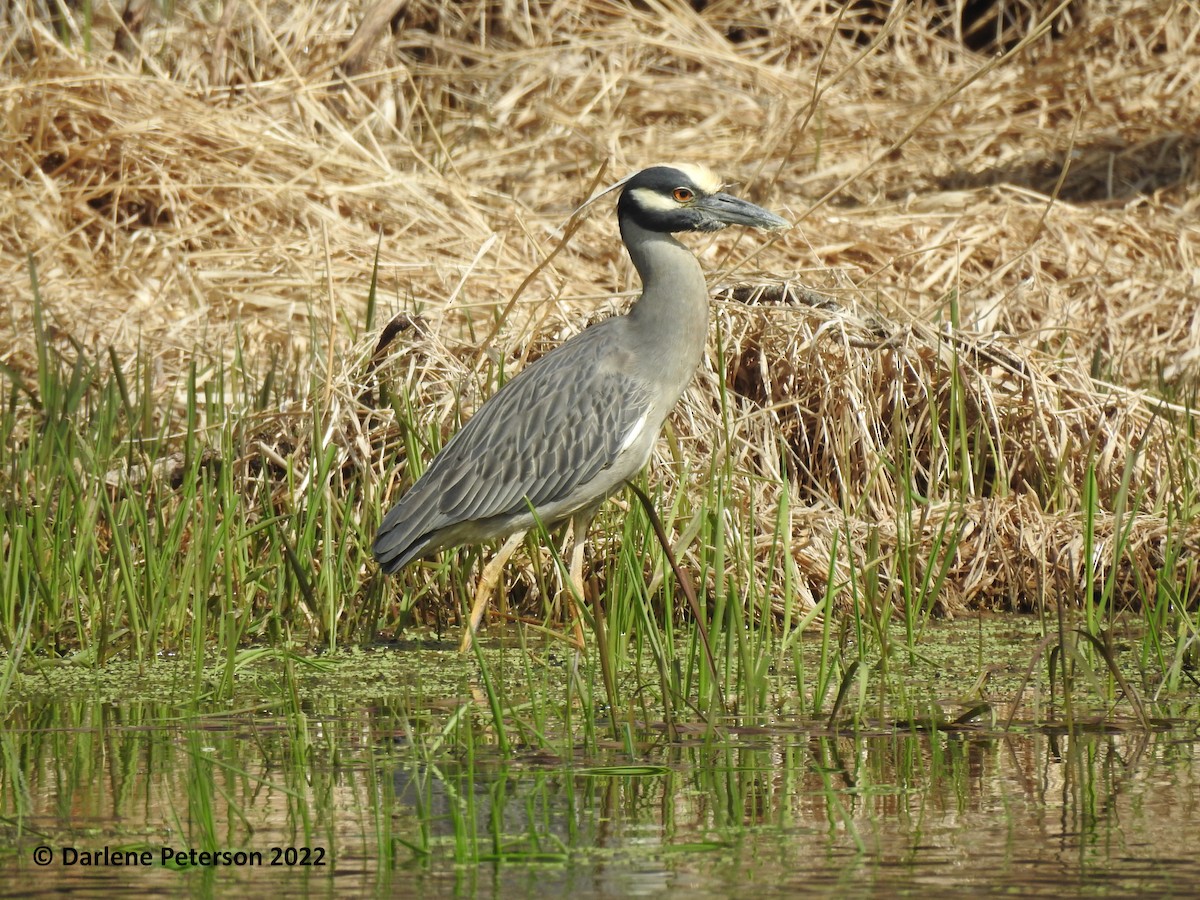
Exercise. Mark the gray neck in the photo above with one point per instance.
(670, 319)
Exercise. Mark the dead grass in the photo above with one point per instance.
(1021, 267)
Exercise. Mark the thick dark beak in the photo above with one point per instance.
(734, 211)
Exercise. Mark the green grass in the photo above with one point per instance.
(138, 527)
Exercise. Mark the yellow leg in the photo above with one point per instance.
(487, 585)
(579, 527)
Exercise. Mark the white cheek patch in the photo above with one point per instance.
(638, 427)
(649, 199)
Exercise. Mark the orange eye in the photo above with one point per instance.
(682, 195)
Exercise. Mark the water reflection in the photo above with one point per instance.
(780, 811)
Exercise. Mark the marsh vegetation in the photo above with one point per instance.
(260, 261)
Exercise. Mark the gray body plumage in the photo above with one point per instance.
(575, 425)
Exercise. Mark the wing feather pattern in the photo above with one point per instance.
(548, 432)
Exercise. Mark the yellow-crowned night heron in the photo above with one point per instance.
(574, 426)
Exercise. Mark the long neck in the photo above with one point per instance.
(670, 319)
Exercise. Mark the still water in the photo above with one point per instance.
(101, 796)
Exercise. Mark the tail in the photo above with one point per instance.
(402, 537)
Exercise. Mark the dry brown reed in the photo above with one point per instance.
(1006, 241)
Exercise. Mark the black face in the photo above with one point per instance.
(670, 199)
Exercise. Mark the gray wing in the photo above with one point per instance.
(550, 430)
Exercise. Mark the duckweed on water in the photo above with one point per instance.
(354, 677)
(958, 664)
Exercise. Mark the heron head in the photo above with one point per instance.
(684, 197)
